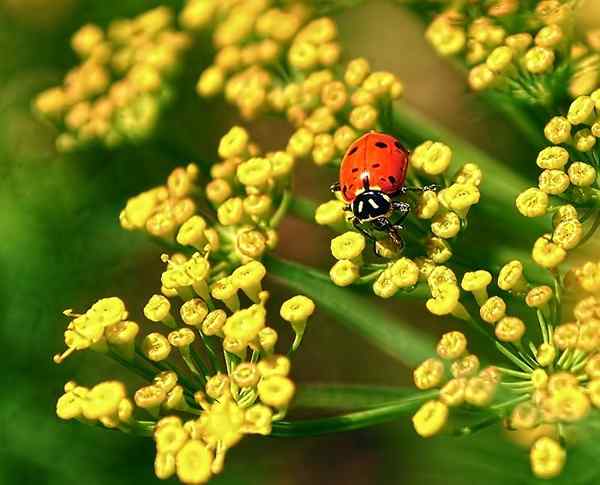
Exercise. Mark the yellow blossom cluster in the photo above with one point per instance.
(217, 401)
(457, 375)
(283, 61)
(116, 93)
(554, 380)
(438, 218)
(567, 186)
(532, 54)
(248, 192)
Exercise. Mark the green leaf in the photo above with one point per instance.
(348, 397)
(356, 312)
(352, 421)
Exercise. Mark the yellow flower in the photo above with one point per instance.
(330, 213)
(384, 285)
(493, 310)
(567, 234)
(300, 143)
(581, 111)
(158, 310)
(193, 463)
(248, 278)
(433, 158)
(553, 182)
(481, 77)
(428, 205)
(446, 225)
(274, 365)
(445, 299)
(103, 400)
(255, 172)
(344, 272)
(429, 374)
(558, 130)
(533, 202)
(510, 329)
(452, 345)
(364, 117)
(479, 391)
(582, 174)
(214, 322)
(356, 71)
(349, 245)
(245, 375)
(296, 311)
(244, 325)
(447, 38)
(553, 158)
(477, 282)
(226, 290)
(156, 347)
(539, 60)
(538, 296)
(466, 366)
(453, 392)
(276, 391)
(405, 273)
(193, 312)
(547, 254)
(460, 198)
(234, 143)
(430, 418)
(511, 277)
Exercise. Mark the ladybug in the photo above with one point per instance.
(372, 172)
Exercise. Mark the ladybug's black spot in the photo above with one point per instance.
(380, 144)
(354, 170)
(398, 145)
(353, 150)
(392, 179)
(376, 165)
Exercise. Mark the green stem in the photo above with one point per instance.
(351, 421)
(282, 209)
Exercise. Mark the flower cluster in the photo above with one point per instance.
(124, 79)
(567, 186)
(242, 204)
(282, 61)
(554, 381)
(217, 401)
(439, 218)
(532, 53)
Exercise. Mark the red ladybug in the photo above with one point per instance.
(373, 171)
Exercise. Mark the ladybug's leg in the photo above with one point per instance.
(393, 230)
(356, 223)
(402, 209)
(432, 187)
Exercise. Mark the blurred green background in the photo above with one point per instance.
(61, 246)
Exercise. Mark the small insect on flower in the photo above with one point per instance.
(373, 172)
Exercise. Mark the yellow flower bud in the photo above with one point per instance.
(481, 77)
(547, 254)
(466, 366)
(553, 182)
(214, 322)
(303, 55)
(164, 465)
(558, 130)
(532, 202)
(103, 400)
(344, 272)
(459, 198)
(282, 164)
(276, 391)
(300, 143)
(158, 310)
(582, 174)
(587, 308)
(570, 404)
(510, 329)
(258, 419)
(267, 338)
(251, 244)
(567, 234)
(384, 286)
(438, 250)
(553, 158)
(452, 345)
(356, 71)
(446, 37)
(566, 336)
(539, 60)
(156, 347)
(245, 375)
(427, 205)
(547, 458)
(479, 392)
(248, 278)
(296, 311)
(429, 374)
(364, 117)
(405, 273)
(330, 213)
(453, 392)
(582, 111)
(432, 158)
(445, 299)
(255, 172)
(592, 368)
(150, 397)
(274, 365)
(349, 245)
(446, 225)
(511, 277)
(234, 143)
(546, 354)
(211, 81)
(594, 392)
(193, 462)
(225, 290)
(477, 282)
(538, 296)
(493, 310)
(584, 140)
(230, 212)
(500, 59)
(430, 418)
(122, 335)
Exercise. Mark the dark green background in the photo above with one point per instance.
(61, 246)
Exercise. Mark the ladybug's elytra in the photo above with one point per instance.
(373, 171)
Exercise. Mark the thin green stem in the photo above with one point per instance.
(351, 421)
(282, 209)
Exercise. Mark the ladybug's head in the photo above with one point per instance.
(371, 204)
